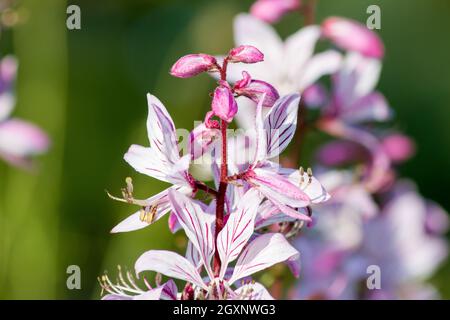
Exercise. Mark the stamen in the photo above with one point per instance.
(302, 178)
(148, 213)
(310, 174)
(302, 173)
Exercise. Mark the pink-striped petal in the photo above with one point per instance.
(170, 264)
(262, 253)
(161, 131)
(282, 189)
(372, 107)
(146, 161)
(197, 224)
(169, 291)
(321, 64)
(280, 124)
(238, 229)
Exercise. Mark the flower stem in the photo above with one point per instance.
(308, 10)
(220, 202)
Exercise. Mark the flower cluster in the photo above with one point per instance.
(257, 204)
(228, 236)
(373, 219)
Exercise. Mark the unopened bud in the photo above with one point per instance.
(193, 64)
(224, 105)
(255, 89)
(245, 54)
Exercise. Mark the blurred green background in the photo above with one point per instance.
(87, 89)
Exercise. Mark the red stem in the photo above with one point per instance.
(220, 202)
(201, 186)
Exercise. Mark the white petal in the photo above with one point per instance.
(314, 189)
(258, 292)
(246, 114)
(372, 107)
(298, 49)
(7, 101)
(262, 253)
(161, 131)
(146, 161)
(153, 294)
(357, 77)
(280, 187)
(193, 255)
(170, 264)
(238, 229)
(321, 64)
(161, 199)
(280, 124)
(197, 224)
(260, 136)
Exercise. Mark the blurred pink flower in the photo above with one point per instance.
(290, 66)
(353, 36)
(271, 11)
(19, 139)
(398, 147)
(395, 238)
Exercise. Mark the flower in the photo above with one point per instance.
(161, 161)
(353, 103)
(19, 139)
(272, 11)
(353, 36)
(346, 240)
(286, 189)
(232, 243)
(354, 98)
(290, 67)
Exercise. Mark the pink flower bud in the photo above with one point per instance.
(271, 11)
(398, 147)
(193, 64)
(255, 89)
(245, 54)
(244, 82)
(352, 35)
(224, 105)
